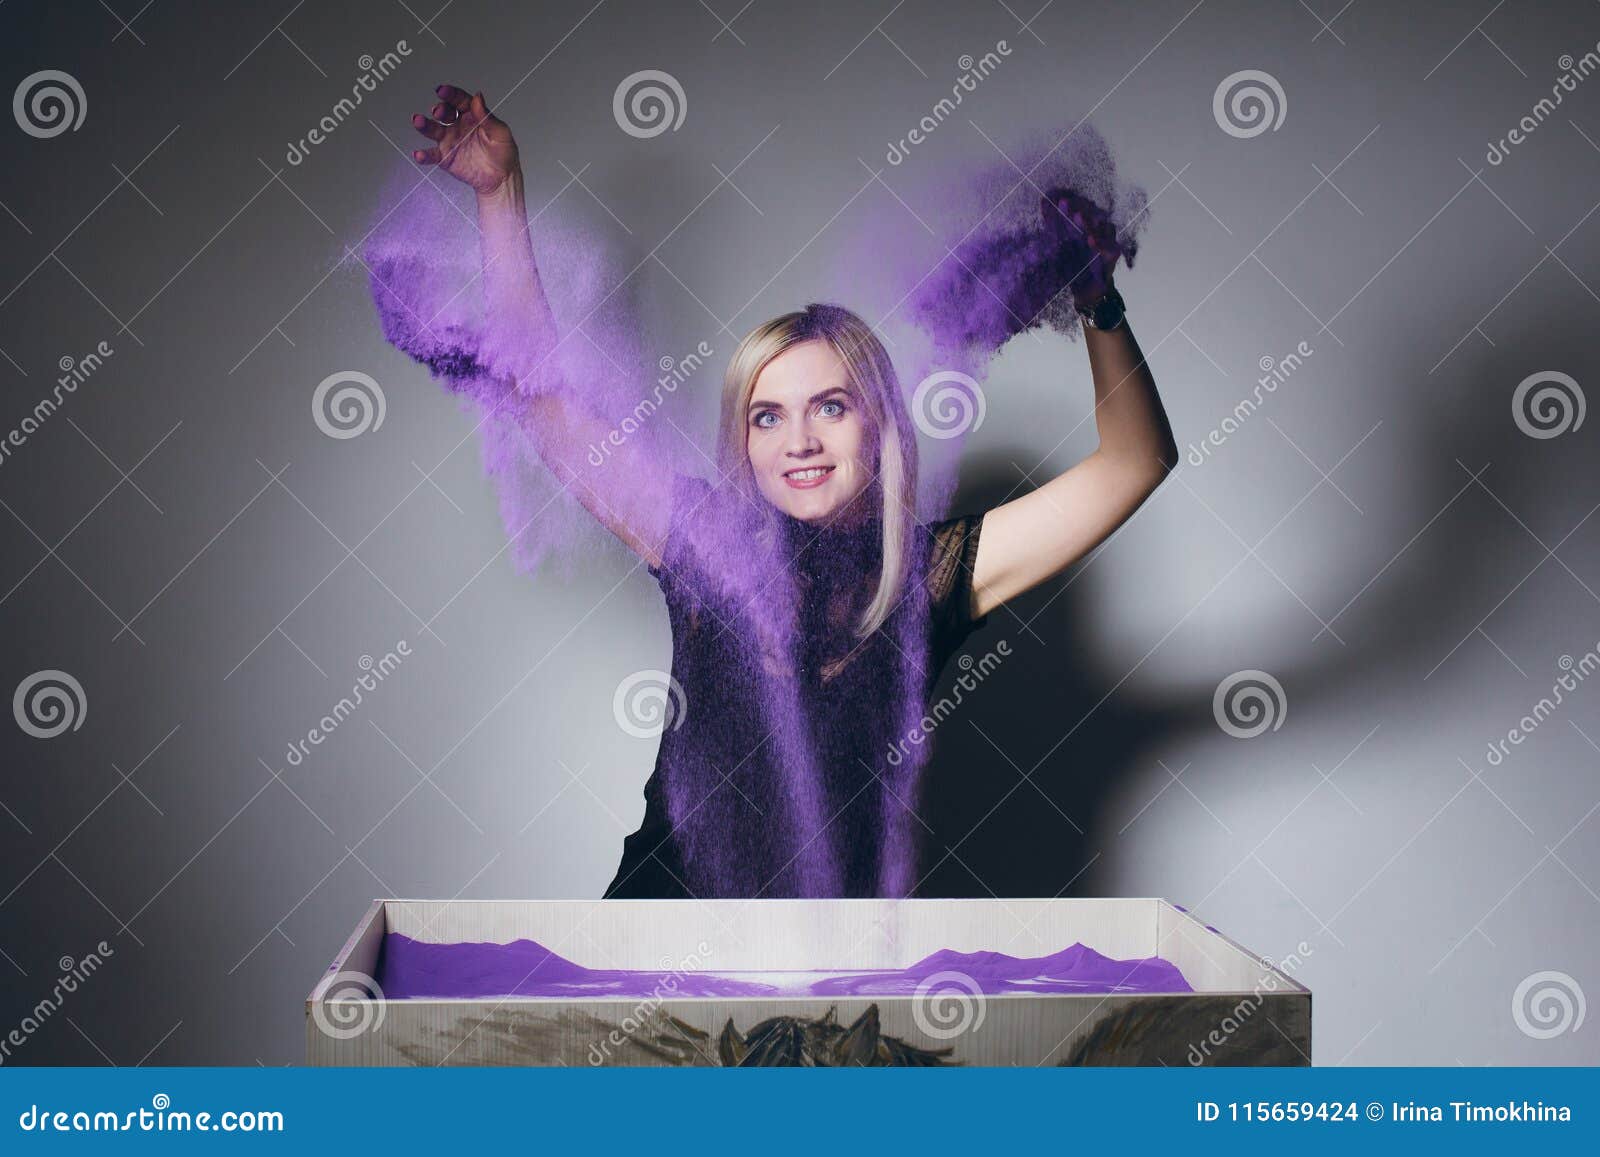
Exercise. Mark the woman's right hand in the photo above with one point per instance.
(1088, 241)
(470, 143)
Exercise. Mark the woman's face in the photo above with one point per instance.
(807, 436)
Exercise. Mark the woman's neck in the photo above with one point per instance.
(838, 550)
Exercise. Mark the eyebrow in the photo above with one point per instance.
(759, 405)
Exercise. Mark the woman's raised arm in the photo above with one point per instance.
(1038, 535)
(477, 148)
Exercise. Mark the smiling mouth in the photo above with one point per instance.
(805, 477)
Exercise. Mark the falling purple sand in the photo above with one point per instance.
(411, 968)
(998, 270)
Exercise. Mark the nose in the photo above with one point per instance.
(802, 441)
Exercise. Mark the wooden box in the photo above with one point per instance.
(1243, 1010)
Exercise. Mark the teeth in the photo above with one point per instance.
(805, 475)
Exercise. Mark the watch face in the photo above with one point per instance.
(1107, 311)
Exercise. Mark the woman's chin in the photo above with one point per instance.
(818, 512)
(808, 507)
(822, 505)
(824, 512)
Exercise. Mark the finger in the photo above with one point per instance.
(452, 95)
(446, 114)
(431, 129)
(1064, 213)
(480, 107)
(426, 156)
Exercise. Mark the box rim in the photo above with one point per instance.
(1293, 984)
(378, 908)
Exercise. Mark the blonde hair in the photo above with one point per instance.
(876, 388)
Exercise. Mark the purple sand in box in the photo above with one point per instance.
(411, 968)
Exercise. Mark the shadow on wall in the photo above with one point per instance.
(1447, 579)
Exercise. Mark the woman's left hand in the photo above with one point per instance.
(1090, 247)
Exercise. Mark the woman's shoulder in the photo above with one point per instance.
(693, 505)
(952, 538)
(708, 530)
(952, 549)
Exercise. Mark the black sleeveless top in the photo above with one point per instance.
(793, 777)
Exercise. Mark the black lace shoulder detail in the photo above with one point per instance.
(954, 550)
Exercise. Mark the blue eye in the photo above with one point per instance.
(838, 408)
(761, 419)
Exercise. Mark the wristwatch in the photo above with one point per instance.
(1105, 312)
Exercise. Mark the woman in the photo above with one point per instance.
(811, 613)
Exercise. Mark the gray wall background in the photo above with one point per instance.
(1380, 536)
